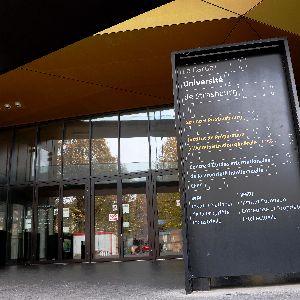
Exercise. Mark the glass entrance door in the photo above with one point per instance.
(74, 229)
(61, 223)
(168, 219)
(3, 225)
(20, 224)
(48, 223)
(122, 222)
(136, 219)
(105, 239)
(123, 219)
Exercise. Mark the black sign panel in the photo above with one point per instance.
(237, 129)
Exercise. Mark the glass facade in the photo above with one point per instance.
(76, 149)
(104, 143)
(98, 146)
(163, 141)
(23, 156)
(49, 146)
(5, 147)
(82, 189)
(134, 142)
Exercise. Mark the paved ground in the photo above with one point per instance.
(130, 280)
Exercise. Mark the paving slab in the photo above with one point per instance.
(116, 280)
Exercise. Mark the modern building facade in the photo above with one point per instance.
(88, 156)
(87, 189)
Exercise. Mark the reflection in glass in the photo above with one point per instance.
(76, 149)
(3, 220)
(23, 156)
(20, 212)
(5, 146)
(106, 221)
(49, 152)
(134, 145)
(135, 222)
(2, 210)
(169, 218)
(163, 139)
(73, 216)
(48, 202)
(104, 145)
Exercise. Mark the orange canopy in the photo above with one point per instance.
(128, 65)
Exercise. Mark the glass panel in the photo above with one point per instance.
(169, 218)
(135, 218)
(48, 203)
(22, 162)
(5, 146)
(49, 152)
(134, 145)
(163, 139)
(106, 220)
(3, 220)
(3, 196)
(104, 145)
(21, 223)
(76, 149)
(73, 222)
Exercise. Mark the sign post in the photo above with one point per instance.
(238, 138)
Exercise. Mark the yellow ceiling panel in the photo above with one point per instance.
(176, 12)
(238, 6)
(242, 32)
(278, 13)
(41, 96)
(44, 97)
(104, 73)
(105, 57)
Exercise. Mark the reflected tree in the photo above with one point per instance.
(169, 211)
(76, 213)
(137, 216)
(169, 153)
(76, 153)
(105, 205)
